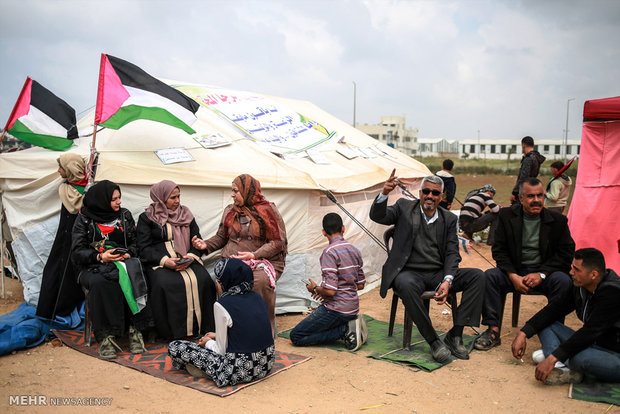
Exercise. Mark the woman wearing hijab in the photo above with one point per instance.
(180, 288)
(60, 292)
(241, 349)
(104, 251)
(252, 230)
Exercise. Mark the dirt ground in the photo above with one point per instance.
(331, 382)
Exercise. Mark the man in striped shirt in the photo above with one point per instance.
(471, 219)
(337, 316)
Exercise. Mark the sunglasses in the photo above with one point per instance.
(427, 191)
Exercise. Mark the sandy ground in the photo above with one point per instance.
(331, 382)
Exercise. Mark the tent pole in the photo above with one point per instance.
(2, 252)
(91, 160)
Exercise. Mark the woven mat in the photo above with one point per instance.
(590, 390)
(390, 348)
(155, 361)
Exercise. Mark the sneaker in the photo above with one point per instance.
(136, 342)
(107, 348)
(538, 356)
(563, 375)
(363, 328)
(353, 336)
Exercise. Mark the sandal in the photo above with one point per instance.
(489, 339)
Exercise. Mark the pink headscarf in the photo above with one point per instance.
(179, 219)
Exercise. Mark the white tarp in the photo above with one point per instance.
(29, 181)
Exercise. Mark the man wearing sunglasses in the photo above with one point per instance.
(425, 256)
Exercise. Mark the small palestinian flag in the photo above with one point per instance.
(127, 93)
(42, 119)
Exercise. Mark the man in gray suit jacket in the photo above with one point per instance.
(425, 256)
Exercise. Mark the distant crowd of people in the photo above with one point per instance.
(148, 279)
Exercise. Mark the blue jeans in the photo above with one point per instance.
(322, 325)
(601, 363)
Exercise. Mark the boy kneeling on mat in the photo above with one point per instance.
(337, 316)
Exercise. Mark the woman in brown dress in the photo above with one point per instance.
(252, 230)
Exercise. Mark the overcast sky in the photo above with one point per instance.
(505, 68)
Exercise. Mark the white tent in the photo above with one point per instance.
(29, 181)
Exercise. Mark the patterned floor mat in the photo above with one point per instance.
(155, 361)
(389, 348)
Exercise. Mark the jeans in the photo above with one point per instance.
(322, 325)
(599, 362)
(486, 220)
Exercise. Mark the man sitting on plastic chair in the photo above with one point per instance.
(533, 250)
(425, 256)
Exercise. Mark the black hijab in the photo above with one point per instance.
(97, 202)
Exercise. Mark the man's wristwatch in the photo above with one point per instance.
(449, 280)
(542, 276)
(314, 288)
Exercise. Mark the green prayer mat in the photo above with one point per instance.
(381, 346)
(590, 390)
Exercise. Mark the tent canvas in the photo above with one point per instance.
(597, 189)
(29, 183)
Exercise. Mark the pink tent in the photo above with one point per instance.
(594, 216)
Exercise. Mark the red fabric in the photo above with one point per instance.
(111, 94)
(22, 106)
(608, 108)
(593, 216)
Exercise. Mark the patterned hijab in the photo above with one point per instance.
(97, 202)
(264, 225)
(69, 191)
(235, 277)
(179, 219)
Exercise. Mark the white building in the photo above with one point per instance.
(436, 147)
(500, 148)
(393, 132)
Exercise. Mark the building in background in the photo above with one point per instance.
(393, 131)
(437, 147)
(551, 149)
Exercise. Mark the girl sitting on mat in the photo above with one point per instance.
(241, 349)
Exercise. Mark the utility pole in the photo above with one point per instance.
(354, 101)
(566, 130)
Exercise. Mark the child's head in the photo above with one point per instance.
(332, 224)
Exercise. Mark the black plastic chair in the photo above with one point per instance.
(426, 297)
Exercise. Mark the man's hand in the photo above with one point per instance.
(513, 199)
(390, 183)
(315, 294)
(518, 345)
(531, 280)
(244, 256)
(442, 293)
(544, 368)
(517, 282)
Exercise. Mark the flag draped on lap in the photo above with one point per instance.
(42, 119)
(127, 93)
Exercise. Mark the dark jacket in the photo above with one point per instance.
(599, 312)
(406, 215)
(530, 166)
(449, 187)
(153, 242)
(83, 253)
(556, 244)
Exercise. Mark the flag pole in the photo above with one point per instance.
(91, 160)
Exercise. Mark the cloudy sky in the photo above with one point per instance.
(505, 68)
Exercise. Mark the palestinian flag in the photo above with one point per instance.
(42, 119)
(127, 93)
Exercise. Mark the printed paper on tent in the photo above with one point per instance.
(278, 128)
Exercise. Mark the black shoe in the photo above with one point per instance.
(440, 352)
(456, 347)
(353, 336)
